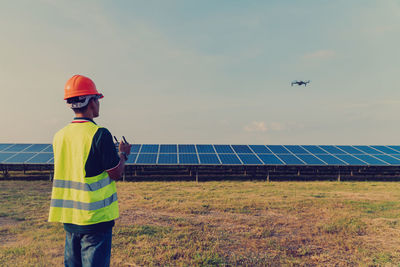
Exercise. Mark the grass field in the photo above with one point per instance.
(228, 223)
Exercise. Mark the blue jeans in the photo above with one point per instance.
(87, 249)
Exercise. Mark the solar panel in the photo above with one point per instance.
(333, 150)
(241, 149)
(188, 159)
(296, 149)
(17, 148)
(40, 158)
(386, 149)
(149, 149)
(132, 158)
(186, 149)
(331, 160)
(368, 150)
(36, 147)
(351, 150)
(290, 159)
(20, 158)
(135, 148)
(207, 154)
(278, 149)
(397, 148)
(260, 149)
(4, 146)
(146, 158)
(48, 149)
(270, 159)
(229, 159)
(168, 149)
(250, 159)
(168, 159)
(205, 149)
(315, 150)
(310, 159)
(371, 160)
(5, 156)
(388, 159)
(226, 149)
(209, 159)
(350, 160)
(397, 156)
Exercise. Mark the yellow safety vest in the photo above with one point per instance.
(75, 198)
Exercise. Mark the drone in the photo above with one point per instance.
(300, 82)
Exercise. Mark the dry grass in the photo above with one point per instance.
(219, 223)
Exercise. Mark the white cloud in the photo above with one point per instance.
(256, 126)
(320, 54)
(261, 126)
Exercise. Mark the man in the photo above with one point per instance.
(86, 162)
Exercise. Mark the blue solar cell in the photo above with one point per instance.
(242, 149)
(386, 149)
(290, 159)
(135, 148)
(333, 150)
(296, 149)
(5, 156)
(187, 149)
(36, 148)
(270, 159)
(188, 159)
(371, 160)
(397, 148)
(397, 156)
(205, 149)
(260, 149)
(131, 158)
(167, 159)
(350, 160)
(168, 149)
(146, 159)
(368, 150)
(249, 159)
(351, 150)
(20, 158)
(315, 150)
(41, 158)
(310, 159)
(149, 149)
(17, 148)
(388, 159)
(331, 160)
(4, 146)
(229, 159)
(48, 149)
(209, 159)
(224, 149)
(278, 149)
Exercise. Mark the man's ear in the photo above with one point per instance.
(91, 103)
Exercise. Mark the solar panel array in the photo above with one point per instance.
(26, 154)
(191, 154)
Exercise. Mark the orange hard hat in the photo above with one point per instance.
(79, 85)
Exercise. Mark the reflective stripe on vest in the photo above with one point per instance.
(61, 203)
(82, 186)
(78, 199)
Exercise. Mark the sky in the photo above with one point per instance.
(217, 72)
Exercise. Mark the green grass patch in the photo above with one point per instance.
(229, 223)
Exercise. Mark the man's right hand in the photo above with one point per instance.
(125, 147)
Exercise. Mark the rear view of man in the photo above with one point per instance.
(84, 196)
